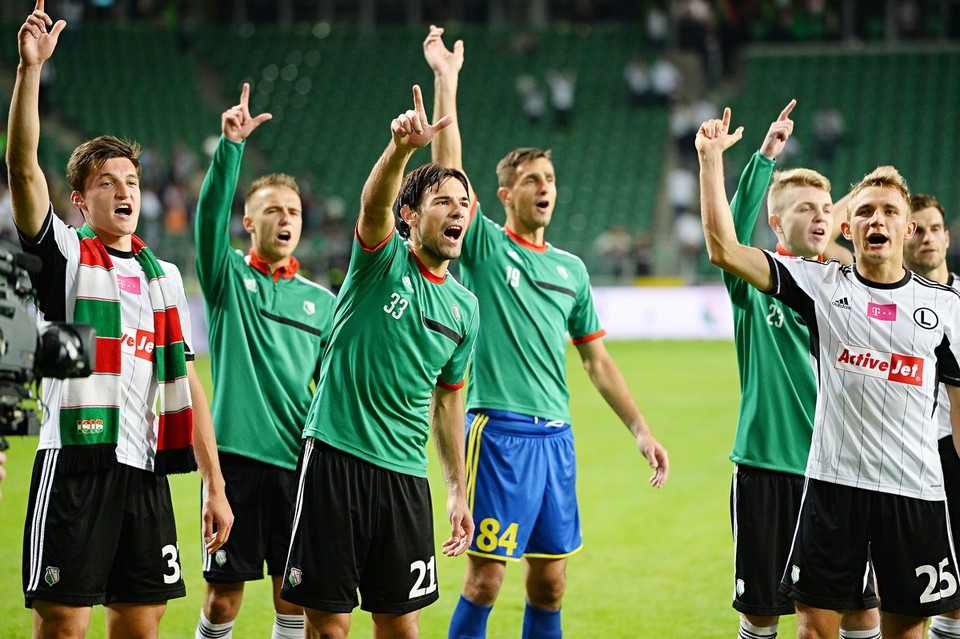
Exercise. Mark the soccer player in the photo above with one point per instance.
(520, 454)
(926, 254)
(403, 333)
(880, 336)
(265, 321)
(100, 525)
(777, 397)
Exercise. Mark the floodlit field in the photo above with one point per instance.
(655, 564)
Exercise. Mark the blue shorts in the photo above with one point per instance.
(521, 486)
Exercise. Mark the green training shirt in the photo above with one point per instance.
(398, 332)
(778, 393)
(266, 331)
(532, 298)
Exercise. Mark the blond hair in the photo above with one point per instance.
(885, 177)
(783, 180)
(273, 179)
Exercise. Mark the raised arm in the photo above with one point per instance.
(747, 263)
(409, 131)
(755, 178)
(835, 250)
(447, 148)
(449, 433)
(607, 378)
(216, 195)
(28, 188)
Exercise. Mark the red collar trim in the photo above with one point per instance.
(539, 248)
(436, 279)
(783, 251)
(286, 272)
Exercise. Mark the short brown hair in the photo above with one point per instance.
(883, 176)
(273, 179)
(920, 201)
(507, 167)
(782, 180)
(90, 156)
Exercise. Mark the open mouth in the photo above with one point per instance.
(819, 232)
(876, 239)
(453, 232)
(283, 236)
(124, 210)
(543, 205)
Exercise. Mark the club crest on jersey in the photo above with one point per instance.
(309, 307)
(220, 557)
(925, 318)
(882, 312)
(251, 284)
(893, 367)
(513, 256)
(563, 272)
(51, 575)
(296, 576)
(407, 284)
(456, 312)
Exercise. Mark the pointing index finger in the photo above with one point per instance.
(39, 6)
(726, 119)
(786, 110)
(418, 101)
(245, 95)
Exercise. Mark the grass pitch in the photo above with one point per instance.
(655, 564)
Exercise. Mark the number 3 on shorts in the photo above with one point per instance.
(171, 554)
(488, 539)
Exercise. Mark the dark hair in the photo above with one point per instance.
(90, 156)
(920, 201)
(507, 167)
(427, 178)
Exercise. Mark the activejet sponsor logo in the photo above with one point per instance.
(893, 367)
(138, 342)
(882, 312)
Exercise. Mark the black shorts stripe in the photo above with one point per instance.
(38, 525)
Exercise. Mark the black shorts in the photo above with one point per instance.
(101, 537)
(261, 496)
(908, 542)
(764, 505)
(359, 526)
(950, 462)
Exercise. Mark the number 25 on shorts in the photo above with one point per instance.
(489, 537)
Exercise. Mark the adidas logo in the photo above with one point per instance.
(843, 303)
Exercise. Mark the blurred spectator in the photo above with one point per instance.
(7, 229)
(688, 235)
(563, 84)
(828, 127)
(682, 189)
(637, 76)
(533, 98)
(643, 254)
(151, 215)
(614, 247)
(657, 26)
(683, 128)
(665, 81)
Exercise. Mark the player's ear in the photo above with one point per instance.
(247, 224)
(774, 222)
(911, 229)
(845, 230)
(407, 214)
(505, 195)
(76, 198)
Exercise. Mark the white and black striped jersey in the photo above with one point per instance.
(878, 351)
(943, 414)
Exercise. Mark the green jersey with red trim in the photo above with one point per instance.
(398, 332)
(778, 391)
(532, 298)
(266, 330)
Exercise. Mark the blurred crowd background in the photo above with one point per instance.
(616, 89)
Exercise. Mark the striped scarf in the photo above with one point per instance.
(90, 407)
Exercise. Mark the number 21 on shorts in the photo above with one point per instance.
(489, 537)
